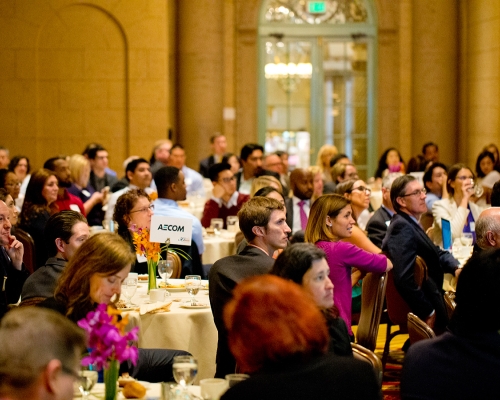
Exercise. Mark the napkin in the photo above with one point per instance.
(155, 308)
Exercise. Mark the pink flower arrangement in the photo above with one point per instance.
(107, 338)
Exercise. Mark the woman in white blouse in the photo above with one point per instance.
(459, 208)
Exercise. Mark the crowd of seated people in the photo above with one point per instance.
(62, 201)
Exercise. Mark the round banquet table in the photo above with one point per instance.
(153, 392)
(192, 330)
(217, 247)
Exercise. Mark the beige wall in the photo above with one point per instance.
(480, 75)
(125, 72)
(74, 73)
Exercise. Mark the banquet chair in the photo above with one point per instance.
(364, 354)
(29, 249)
(372, 305)
(176, 264)
(397, 308)
(449, 301)
(418, 330)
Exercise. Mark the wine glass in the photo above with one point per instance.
(165, 270)
(129, 289)
(88, 378)
(193, 283)
(185, 369)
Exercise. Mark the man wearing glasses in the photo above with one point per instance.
(226, 200)
(40, 355)
(404, 241)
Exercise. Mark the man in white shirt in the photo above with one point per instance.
(301, 183)
(138, 173)
(194, 181)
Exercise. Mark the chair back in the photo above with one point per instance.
(29, 258)
(449, 301)
(397, 308)
(33, 301)
(420, 271)
(363, 354)
(176, 264)
(372, 305)
(418, 330)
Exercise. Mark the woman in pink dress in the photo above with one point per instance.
(330, 220)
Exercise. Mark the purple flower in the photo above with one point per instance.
(107, 338)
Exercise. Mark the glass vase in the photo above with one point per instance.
(152, 274)
(110, 380)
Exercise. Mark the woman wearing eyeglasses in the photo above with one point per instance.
(330, 221)
(133, 210)
(459, 208)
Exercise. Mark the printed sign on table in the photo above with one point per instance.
(178, 230)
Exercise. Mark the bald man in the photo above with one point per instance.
(488, 229)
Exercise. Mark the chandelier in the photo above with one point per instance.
(287, 63)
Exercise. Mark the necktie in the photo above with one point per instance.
(303, 216)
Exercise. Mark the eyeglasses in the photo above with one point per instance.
(228, 180)
(415, 193)
(151, 207)
(361, 189)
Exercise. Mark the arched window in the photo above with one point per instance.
(317, 79)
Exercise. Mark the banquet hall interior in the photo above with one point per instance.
(290, 75)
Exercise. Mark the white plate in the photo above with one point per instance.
(174, 289)
(195, 307)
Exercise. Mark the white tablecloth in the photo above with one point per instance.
(153, 391)
(180, 329)
(217, 247)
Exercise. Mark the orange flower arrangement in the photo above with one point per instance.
(144, 247)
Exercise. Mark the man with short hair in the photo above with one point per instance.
(13, 273)
(298, 207)
(463, 363)
(4, 158)
(341, 171)
(263, 222)
(65, 200)
(404, 241)
(218, 143)
(64, 233)
(435, 183)
(161, 154)
(194, 181)
(430, 151)
(488, 229)
(138, 173)
(99, 178)
(171, 189)
(40, 357)
(380, 220)
(251, 161)
(226, 200)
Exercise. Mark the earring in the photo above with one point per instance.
(329, 226)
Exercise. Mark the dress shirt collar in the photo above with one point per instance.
(232, 202)
(166, 202)
(391, 213)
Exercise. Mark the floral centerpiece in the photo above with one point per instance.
(109, 344)
(152, 251)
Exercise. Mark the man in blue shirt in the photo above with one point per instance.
(172, 188)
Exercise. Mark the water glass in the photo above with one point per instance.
(88, 378)
(232, 223)
(129, 289)
(212, 388)
(193, 284)
(233, 379)
(466, 239)
(185, 369)
(165, 270)
(217, 224)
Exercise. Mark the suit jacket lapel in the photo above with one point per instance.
(420, 231)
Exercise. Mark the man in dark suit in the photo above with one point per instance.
(251, 161)
(463, 363)
(378, 223)
(263, 222)
(13, 273)
(218, 143)
(298, 207)
(405, 239)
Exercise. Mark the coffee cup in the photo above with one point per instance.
(158, 295)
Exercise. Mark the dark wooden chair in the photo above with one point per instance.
(29, 258)
(397, 308)
(372, 305)
(418, 329)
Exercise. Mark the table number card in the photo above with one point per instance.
(178, 230)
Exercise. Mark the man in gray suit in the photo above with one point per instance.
(263, 222)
